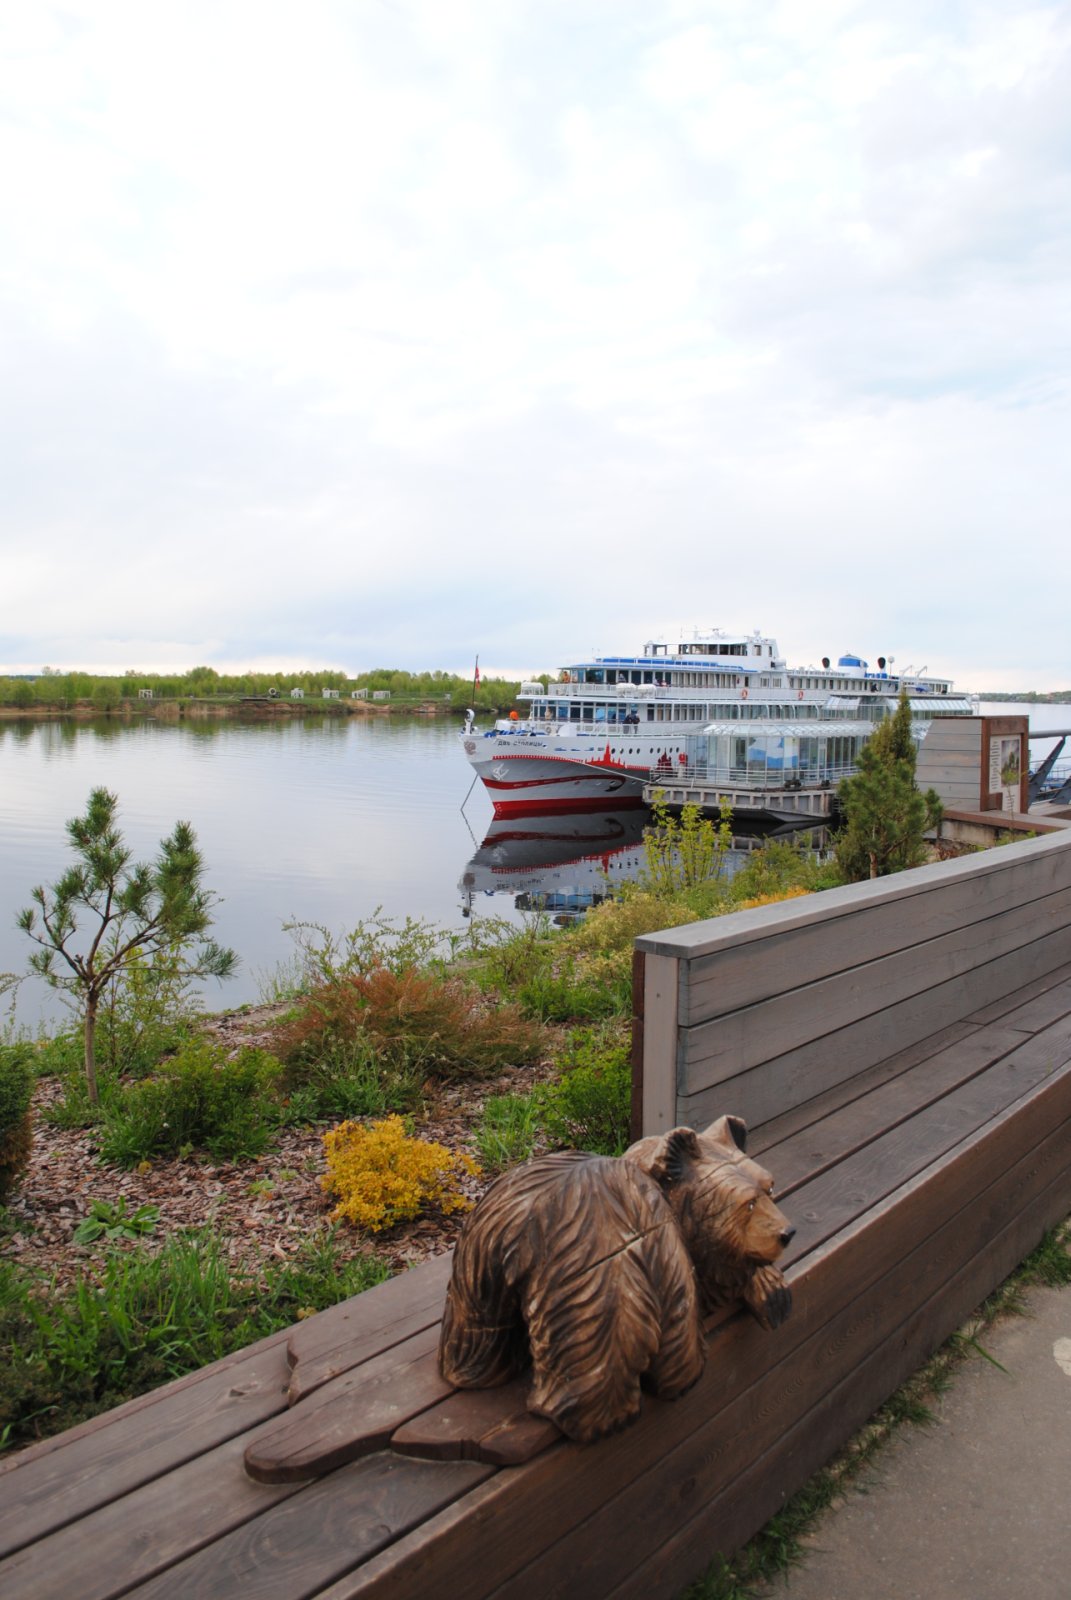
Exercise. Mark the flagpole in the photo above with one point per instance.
(475, 682)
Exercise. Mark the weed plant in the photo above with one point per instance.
(325, 958)
(112, 1221)
(147, 1318)
(333, 1077)
(508, 1131)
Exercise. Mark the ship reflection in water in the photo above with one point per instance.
(565, 863)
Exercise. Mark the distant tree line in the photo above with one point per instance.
(62, 691)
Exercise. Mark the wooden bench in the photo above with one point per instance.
(902, 1051)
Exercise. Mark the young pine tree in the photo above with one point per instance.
(886, 815)
(126, 913)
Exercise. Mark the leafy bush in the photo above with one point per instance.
(590, 1105)
(16, 1124)
(199, 1098)
(145, 1319)
(683, 852)
(769, 873)
(382, 1175)
(419, 1025)
(508, 1130)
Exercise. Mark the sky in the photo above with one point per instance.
(358, 333)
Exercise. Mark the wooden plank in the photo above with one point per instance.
(829, 1202)
(636, 1049)
(366, 1325)
(132, 1536)
(43, 1490)
(786, 1021)
(733, 978)
(313, 1538)
(1040, 1010)
(659, 1096)
(789, 1080)
(999, 1009)
(507, 1519)
(765, 1134)
(812, 1150)
(351, 1416)
(603, 1549)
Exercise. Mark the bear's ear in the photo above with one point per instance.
(728, 1130)
(667, 1159)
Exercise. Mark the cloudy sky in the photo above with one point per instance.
(386, 332)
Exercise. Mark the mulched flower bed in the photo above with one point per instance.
(263, 1208)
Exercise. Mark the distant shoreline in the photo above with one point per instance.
(251, 708)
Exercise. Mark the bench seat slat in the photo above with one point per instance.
(44, 1489)
(307, 1541)
(366, 1325)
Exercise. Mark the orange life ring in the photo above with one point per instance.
(800, 695)
(743, 694)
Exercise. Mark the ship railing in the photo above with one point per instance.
(703, 775)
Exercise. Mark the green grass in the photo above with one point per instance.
(145, 1318)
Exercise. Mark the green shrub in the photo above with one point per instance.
(578, 991)
(589, 1107)
(777, 867)
(199, 1099)
(17, 1077)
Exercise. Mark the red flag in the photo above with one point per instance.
(476, 675)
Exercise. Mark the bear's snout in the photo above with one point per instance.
(788, 1236)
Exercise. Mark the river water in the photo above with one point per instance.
(311, 819)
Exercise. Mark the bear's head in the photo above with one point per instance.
(723, 1203)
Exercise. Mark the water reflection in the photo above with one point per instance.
(564, 864)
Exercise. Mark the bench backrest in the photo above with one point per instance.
(757, 1012)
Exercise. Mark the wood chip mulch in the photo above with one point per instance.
(265, 1208)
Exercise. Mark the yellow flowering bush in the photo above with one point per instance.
(382, 1175)
(772, 899)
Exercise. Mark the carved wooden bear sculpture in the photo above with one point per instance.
(598, 1270)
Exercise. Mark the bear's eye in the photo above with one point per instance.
(751, 1205)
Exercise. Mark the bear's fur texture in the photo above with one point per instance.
(598, 1270)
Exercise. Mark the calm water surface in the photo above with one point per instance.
(304, 820)
(314, 820)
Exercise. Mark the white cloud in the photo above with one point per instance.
(424, 327)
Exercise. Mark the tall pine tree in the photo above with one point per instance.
(886, 816)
